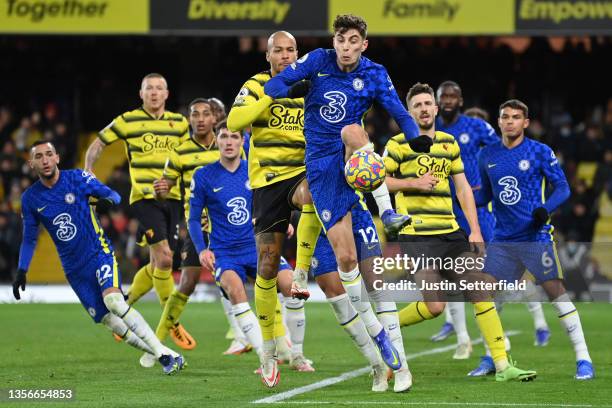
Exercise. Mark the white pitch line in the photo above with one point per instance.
(352, 374)
(477, 404)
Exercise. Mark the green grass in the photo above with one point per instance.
(57, 346)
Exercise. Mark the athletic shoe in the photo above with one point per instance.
(180, 360)
(117, 338)
(445, 332)
(300, 363)
(270, 375)
(403, 380)
(169, 365)
(237, 347)
(542, 336)
(182, 338)
(584, 370)
(299, 286)
(379, 381)
(486, 367)
(515, 373)
(388, 352)
(463, 351)
(394, 222)
(147, 360)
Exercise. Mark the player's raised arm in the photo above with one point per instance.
(106, 136)
(387, 97)
(250, 102)
(554, 175)
(284, 85)
(484, 194)
(197, 202)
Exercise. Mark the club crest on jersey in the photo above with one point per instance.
(326, 215)
(358, 84)
(314, 262)
(524, 165)
(69, 198)
(464, 138)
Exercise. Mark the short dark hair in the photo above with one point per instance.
(450, 84)
(219, 126)
(345, 22)
(42, 142)
(476, 112)
(200, 100)
(417, 89)
(515, 104)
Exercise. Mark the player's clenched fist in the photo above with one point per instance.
(161, 187)
(426, 182)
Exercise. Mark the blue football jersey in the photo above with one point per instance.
(338, 98)
(228, 198)
(65, 212)
(471, 135)
(516, 181)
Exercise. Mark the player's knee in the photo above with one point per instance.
(268, 260)
(347, 260)
(114, 324)
(115, 302)
(354, 136)
(435, 308)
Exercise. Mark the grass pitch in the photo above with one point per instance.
(58, 347)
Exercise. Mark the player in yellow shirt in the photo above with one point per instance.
(434, 232)
(150, 133)
(278, 177)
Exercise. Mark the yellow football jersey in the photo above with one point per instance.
(277, 143)
(431, 211)
(148, 143)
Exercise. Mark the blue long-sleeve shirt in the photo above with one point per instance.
(516, 180)
(338, 98)
(64, 211)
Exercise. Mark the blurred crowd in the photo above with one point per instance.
(491, 70)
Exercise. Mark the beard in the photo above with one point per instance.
(50, 176)
(426, 126)
(449, 115)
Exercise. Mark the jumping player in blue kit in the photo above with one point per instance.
(340, 86)
(223, 188)
(515, 173)
(60, 201)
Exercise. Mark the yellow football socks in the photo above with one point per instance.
(170, 316)
(492, 332)
(142, 283)
(308, 230)
(163, 284)
(265, 304)
(279, 327)
(414, 313)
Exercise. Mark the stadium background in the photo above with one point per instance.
(69, 67)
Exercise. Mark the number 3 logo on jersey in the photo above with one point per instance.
(511, 194)
(66, 229)
(239, 214)
(334, 111)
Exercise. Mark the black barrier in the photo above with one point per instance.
(232, 17)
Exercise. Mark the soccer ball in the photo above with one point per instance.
(365, 171)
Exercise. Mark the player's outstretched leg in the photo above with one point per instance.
(464, 344)
(350, 321)
(388, 316)
(542, 332)
(355, 138)
(570, 321)
(493, 333)
(240, 344)
(142, 284)
(117, 305)
(118, 327)
(169, 320)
